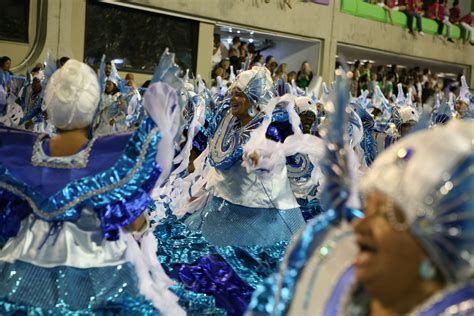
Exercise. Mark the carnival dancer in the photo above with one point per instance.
(245, 209)
(242, 223)
(415, 236)
(71, 206)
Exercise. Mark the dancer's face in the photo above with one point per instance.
(6, 65)
(36, 86)
(109, 87)
(461, 107)
(108, 69)
(307, 120)
(386, 255)
(239, 102)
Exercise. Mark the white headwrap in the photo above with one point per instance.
(303, 104)
(255, 83)
(72, 96)
(408, 113)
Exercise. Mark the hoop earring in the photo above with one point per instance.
(427, 270)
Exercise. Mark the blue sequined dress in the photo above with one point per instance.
(227, 248)
(64, 218)
(245, 209)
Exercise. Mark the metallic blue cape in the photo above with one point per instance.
(115, 182)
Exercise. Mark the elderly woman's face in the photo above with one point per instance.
(388, 260)
(239, 103)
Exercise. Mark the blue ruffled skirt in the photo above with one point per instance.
(226, 224)
(27, 289)
(228, 274)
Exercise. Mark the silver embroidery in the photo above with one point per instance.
(38, 158)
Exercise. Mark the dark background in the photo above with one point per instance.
(14, 20)
(139, 37)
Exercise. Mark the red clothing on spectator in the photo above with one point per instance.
(435, 12)
(441, 11)
(467, 19)
(391, 3)
(412, 6)
(454, 14)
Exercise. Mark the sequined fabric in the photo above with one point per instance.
(225, 146)
(223, 223)
(229, 274)
(30, 289)
(264, 299)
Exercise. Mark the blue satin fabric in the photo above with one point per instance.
(213, 276)
(455, 298)
(279, 131)
(280, 127)
(16, 151)
(75, 182)
(334, 304)
(118, 206)
(70, 291)
(196, 304)
(229, 274)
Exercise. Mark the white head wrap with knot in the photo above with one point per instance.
(255, 83)
(72, 96)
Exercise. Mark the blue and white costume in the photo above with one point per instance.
(245, 209)
(436, 197)
(64, 218)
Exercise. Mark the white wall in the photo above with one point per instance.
(294, 53)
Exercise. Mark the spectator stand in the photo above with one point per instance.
(373, 12)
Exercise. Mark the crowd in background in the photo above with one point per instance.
(227, 62)
(423, 83)
(22, 97)
(437, 10)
